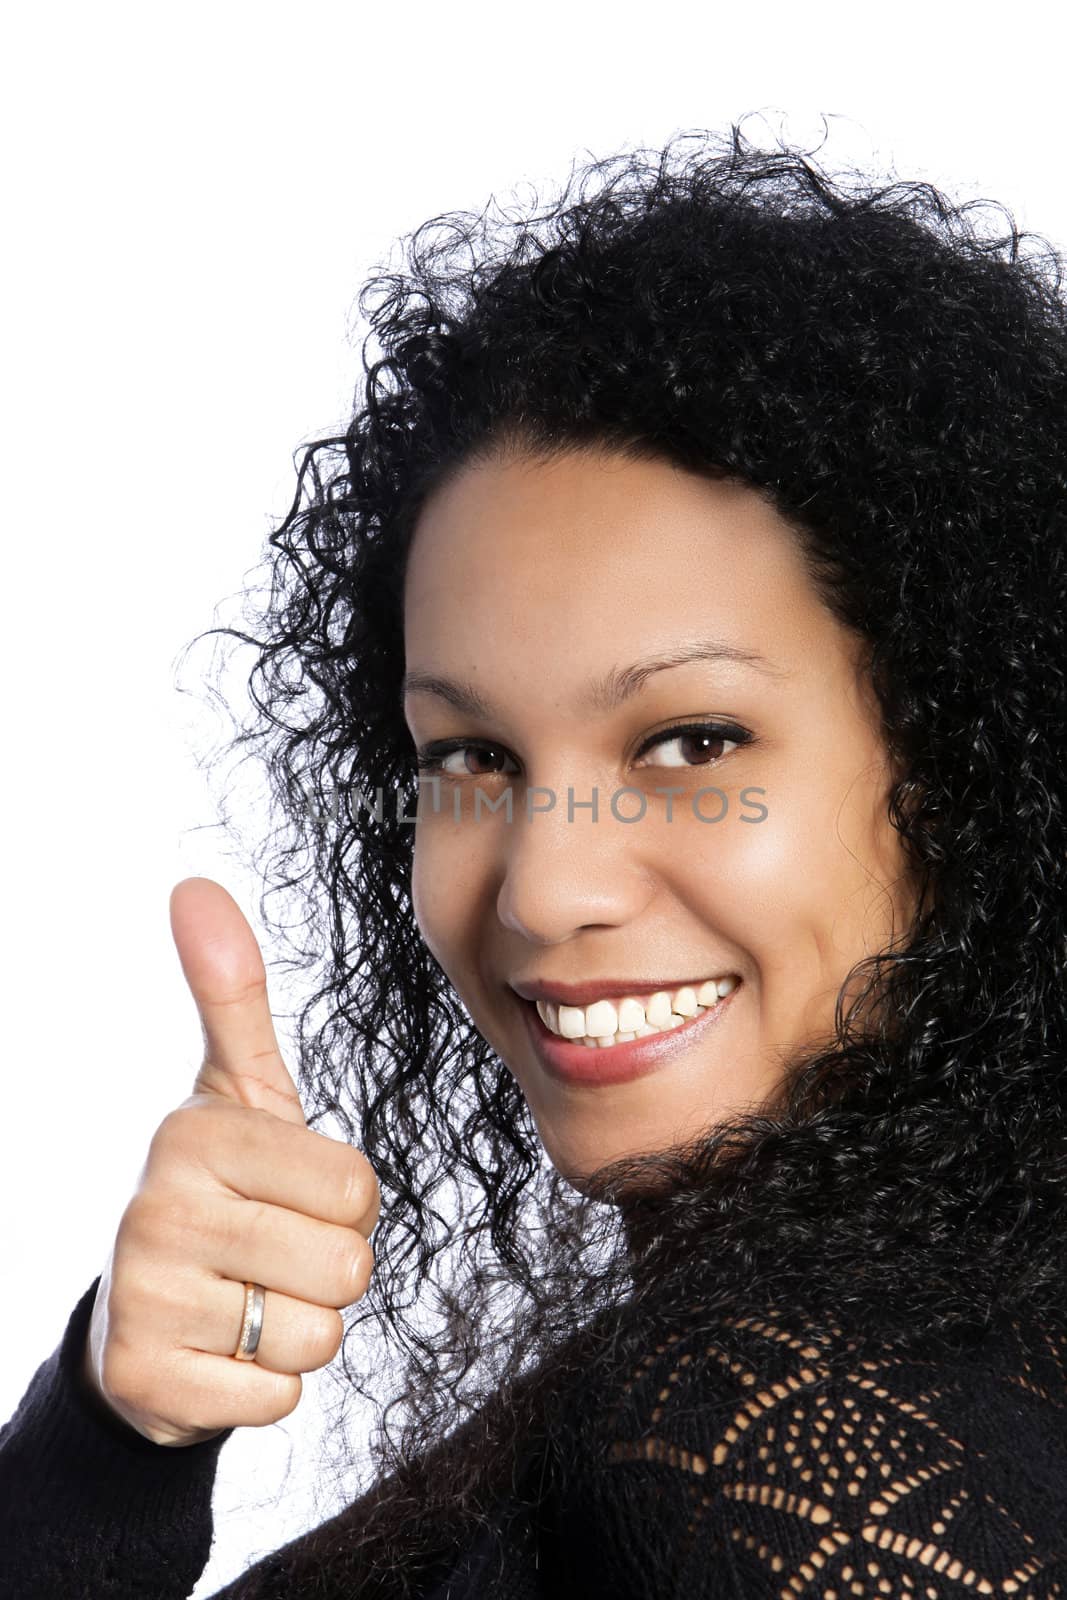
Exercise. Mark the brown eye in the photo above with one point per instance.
(433, 760)
(481, 752)
(698, 743)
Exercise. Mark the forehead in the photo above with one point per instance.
(524, 564)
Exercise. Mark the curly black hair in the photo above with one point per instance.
(891, 372)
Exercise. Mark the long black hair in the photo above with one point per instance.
(890, 369)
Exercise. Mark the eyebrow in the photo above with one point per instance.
(600, 695)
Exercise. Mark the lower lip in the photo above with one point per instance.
(618, 1063)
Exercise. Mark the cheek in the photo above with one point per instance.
(758, 879)
(445, 889)
(795, 891)
(427, 899)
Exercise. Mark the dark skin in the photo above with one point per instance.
(527, 580)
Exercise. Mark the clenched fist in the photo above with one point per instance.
(236, 1188)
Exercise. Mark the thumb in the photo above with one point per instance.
(224, 969)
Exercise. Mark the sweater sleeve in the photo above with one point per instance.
(88, 1506)
(748, 1474)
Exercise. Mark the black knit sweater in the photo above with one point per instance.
(748, 1477)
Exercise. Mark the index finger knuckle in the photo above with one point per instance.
(360, 1187)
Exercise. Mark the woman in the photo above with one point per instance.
(662, 682)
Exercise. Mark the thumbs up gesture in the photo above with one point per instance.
(236, 1189)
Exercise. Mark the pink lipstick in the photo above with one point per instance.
(571, 1061)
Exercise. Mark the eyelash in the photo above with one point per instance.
(432, 757)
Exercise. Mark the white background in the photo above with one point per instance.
(192, 197)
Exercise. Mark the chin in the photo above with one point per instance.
(606, 1176)
(579, 1173)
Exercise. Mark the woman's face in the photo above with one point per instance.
(530, 583)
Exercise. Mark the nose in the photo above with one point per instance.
(566, 868)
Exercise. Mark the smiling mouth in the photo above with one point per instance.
(604, 1025)
(591, 1063)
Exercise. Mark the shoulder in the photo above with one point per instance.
(760, 1460)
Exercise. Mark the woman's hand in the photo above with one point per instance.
(236, 1188)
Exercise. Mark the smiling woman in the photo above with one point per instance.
(591, 903)
(693, 575)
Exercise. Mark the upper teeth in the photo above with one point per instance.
(629, 1018)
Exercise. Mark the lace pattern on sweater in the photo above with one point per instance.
(885, 1483)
